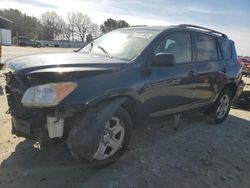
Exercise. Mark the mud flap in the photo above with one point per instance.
(83, 139)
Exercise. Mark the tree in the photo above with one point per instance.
(66, 32)
(80, 26)
(94, 30)
(83, 24)
(71, 19)
(32, 27)
(122, 23)
(112, 24)
(89, 38)
(52, 25)
(23, 25)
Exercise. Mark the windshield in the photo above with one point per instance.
(123, 44)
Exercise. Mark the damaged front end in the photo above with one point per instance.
(42, 119)
(34, 109)
(71, 101)
(26, 122)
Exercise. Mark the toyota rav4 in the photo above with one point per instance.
(91, 99)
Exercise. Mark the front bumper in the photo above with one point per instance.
(28, 128)
(26, 122)
(32, 123)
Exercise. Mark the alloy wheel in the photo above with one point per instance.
(223, 106)
(111, 140)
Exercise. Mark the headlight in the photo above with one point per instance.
(47, 95)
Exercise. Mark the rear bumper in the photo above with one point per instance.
(240, 88)
(246, 70)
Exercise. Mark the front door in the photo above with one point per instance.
(170, 89)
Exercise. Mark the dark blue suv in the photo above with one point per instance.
(91, 99)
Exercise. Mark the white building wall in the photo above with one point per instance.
(5, 36)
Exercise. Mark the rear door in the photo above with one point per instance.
(210, 66)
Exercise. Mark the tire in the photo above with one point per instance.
(38, 45)
(101, 160)
(218, 112)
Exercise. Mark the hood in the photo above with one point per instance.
(63, 62)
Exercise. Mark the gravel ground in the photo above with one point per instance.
(191, 154)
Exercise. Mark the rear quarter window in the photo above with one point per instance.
(226, 48)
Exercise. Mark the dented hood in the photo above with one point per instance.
(63, 62)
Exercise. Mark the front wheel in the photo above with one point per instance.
(113, 142)
(218, 112)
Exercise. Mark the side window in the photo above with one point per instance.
(226, 48)
(206, 49)
(219, 51)
(178, 44)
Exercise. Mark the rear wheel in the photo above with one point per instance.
(218, 112)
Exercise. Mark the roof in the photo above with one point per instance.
(186, 26)
(159, 28)
(5, 19)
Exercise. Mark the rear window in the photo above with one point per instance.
(205, 48)
(226, 49)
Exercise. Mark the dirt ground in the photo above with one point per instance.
(192, 154)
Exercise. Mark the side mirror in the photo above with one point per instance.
(163, 60)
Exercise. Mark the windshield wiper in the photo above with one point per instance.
(108, 54)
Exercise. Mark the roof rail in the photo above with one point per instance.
(204, 29)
